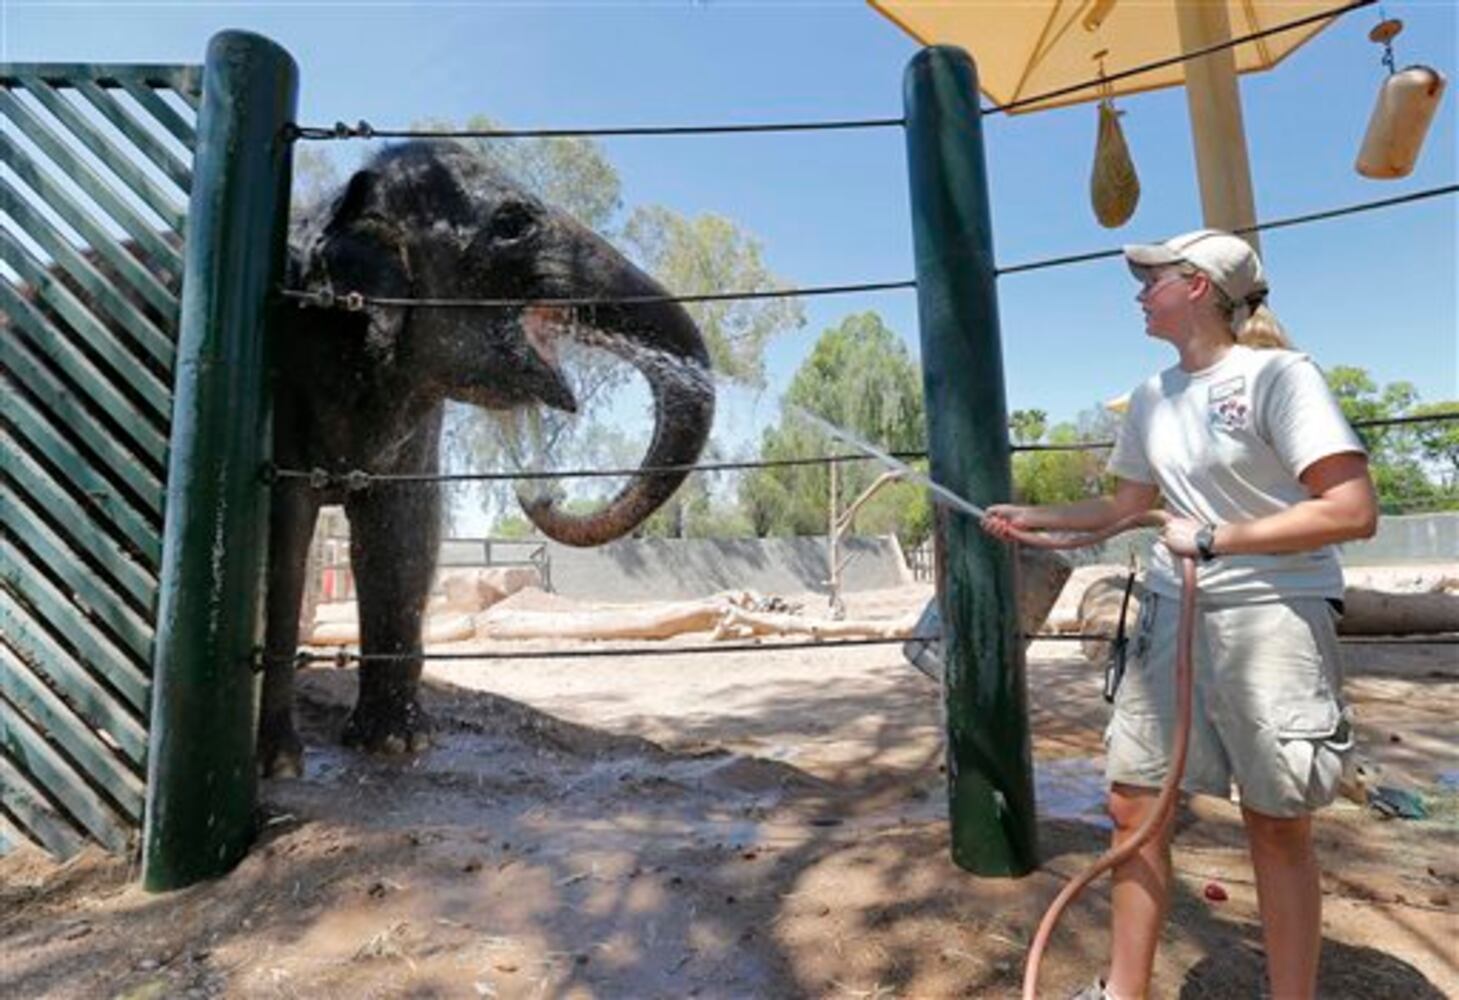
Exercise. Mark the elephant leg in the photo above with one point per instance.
(395, 533)
(291, 527)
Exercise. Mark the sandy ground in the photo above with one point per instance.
(763, 824)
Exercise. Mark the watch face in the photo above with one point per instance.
(1205, 538)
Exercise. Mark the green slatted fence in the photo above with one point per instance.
(123, 710)
(96, 178)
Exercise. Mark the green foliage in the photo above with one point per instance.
(570, 173)
(1438, 442)
(695, 511)
(1043, 477)
(315, 177)
(1415, 467)
(706, 255)
(859, 377)
(512, 527)
(1027, 425)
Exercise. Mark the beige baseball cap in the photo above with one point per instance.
(1229, 261)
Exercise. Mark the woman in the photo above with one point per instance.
(1248, 450)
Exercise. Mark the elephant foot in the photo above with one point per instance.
(388, 730)
(280, 754)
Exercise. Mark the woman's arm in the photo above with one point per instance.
(1342, 506)
(1129, 497)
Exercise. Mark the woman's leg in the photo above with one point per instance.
(1140, 896)
(1289, 895)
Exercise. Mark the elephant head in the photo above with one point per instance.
(432, 220)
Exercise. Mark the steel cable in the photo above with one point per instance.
(357, 479)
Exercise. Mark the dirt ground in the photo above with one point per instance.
(762, 824)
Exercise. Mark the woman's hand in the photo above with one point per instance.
(1002, 519)
(1179, 536)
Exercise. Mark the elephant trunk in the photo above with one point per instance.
(661, 341)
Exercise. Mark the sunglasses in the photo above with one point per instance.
(1149, 287)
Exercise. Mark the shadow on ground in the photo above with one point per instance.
(530, 856)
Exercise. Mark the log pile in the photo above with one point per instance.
(728, 615)
(1422, 604)
(506, 604)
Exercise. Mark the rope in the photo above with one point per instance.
(321, 478)
(355, 301)
(364, 130)
(1294, 220)
(356, 479)
(342, 657)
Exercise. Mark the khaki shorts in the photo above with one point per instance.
(1267, 710)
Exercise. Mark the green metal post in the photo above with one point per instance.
(989, 765)
(201, 786)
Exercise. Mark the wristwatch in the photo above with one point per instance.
(1206, 542)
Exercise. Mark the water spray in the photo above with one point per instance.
(949, 497)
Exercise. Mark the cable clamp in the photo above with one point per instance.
(317, 298)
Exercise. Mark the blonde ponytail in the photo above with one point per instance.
(1262, 330)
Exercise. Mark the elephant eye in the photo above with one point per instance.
(511, 222)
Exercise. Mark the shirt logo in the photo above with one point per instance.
(1228, 407)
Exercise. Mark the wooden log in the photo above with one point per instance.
(657, 621)
(440, 628)
(1377, 612)
(739, 623)
(1366, 611)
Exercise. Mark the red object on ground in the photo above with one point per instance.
(1216, 892)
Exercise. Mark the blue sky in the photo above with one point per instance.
(1376, 290)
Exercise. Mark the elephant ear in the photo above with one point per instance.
(360, 249)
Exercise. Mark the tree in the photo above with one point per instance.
(709, 254)
(859, 377)
(316, 176)
(1072, 469)
(1041, 477)
(1027, 425)
(1414, 466)
(569, 172)
(1438, 442)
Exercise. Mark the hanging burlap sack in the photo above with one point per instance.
(1114, 190)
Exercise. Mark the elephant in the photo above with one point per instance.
(365, 389)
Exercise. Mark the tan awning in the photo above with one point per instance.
(1028, 47)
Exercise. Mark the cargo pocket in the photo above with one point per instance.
(1314, 741)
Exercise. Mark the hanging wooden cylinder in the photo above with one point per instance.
(1114, 188)
(1406, 105)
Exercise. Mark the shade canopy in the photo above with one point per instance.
(1024, 48)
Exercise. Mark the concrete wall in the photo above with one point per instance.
(673, 569)
(1402, 539)
(1409, 538)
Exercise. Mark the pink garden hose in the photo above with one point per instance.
(1165, 801)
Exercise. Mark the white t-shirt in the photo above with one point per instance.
(1227, 444)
